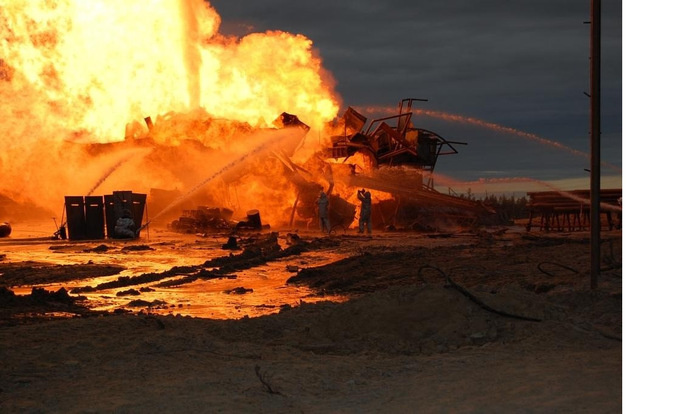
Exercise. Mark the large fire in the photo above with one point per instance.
(77, 79)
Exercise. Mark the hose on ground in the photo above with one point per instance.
(473, 298)
(539, 266)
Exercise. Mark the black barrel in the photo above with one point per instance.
(5, 229)
(254, 221)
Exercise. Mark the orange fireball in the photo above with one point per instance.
(90, 71)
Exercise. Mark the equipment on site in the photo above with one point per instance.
(93, 217)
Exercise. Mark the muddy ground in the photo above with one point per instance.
(488, 321)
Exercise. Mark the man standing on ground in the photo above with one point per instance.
(323, 212)
(365, 198)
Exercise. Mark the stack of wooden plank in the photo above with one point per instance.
(570, 210)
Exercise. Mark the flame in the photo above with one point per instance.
(90, 71)
(100, 64)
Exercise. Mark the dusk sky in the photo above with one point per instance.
(522, 65)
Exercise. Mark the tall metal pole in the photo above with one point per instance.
(595, 142)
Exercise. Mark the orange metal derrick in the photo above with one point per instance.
(400, 144)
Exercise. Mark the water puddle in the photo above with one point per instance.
(252, 292)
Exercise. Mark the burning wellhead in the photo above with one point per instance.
(75, 72)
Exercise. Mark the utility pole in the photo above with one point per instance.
(595, 142)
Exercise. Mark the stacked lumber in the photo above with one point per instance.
(570, 210)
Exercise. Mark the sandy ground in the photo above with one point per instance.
(487, 321)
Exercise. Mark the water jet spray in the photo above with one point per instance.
(494, 127)
(263, 147)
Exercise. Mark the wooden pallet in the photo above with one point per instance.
(570, 210)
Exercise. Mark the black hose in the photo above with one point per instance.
(473, 298)
(539, 266)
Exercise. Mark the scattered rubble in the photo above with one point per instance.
(140, 303)
(137, 248)
(231, 244)
(238, 291)
(130, 292)
(204, 220)
(98, 249)
(34, 273)
(14, 308)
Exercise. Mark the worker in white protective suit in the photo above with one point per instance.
(125, 227)
(322, 202)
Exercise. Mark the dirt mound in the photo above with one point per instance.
(414, 319)
(402, 343)
(33, 273)
(418, 319)
(14, 309)
(432, 318)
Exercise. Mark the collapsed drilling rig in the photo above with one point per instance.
(389, 156)
(400, 159)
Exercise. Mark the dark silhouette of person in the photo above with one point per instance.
(365, 198)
